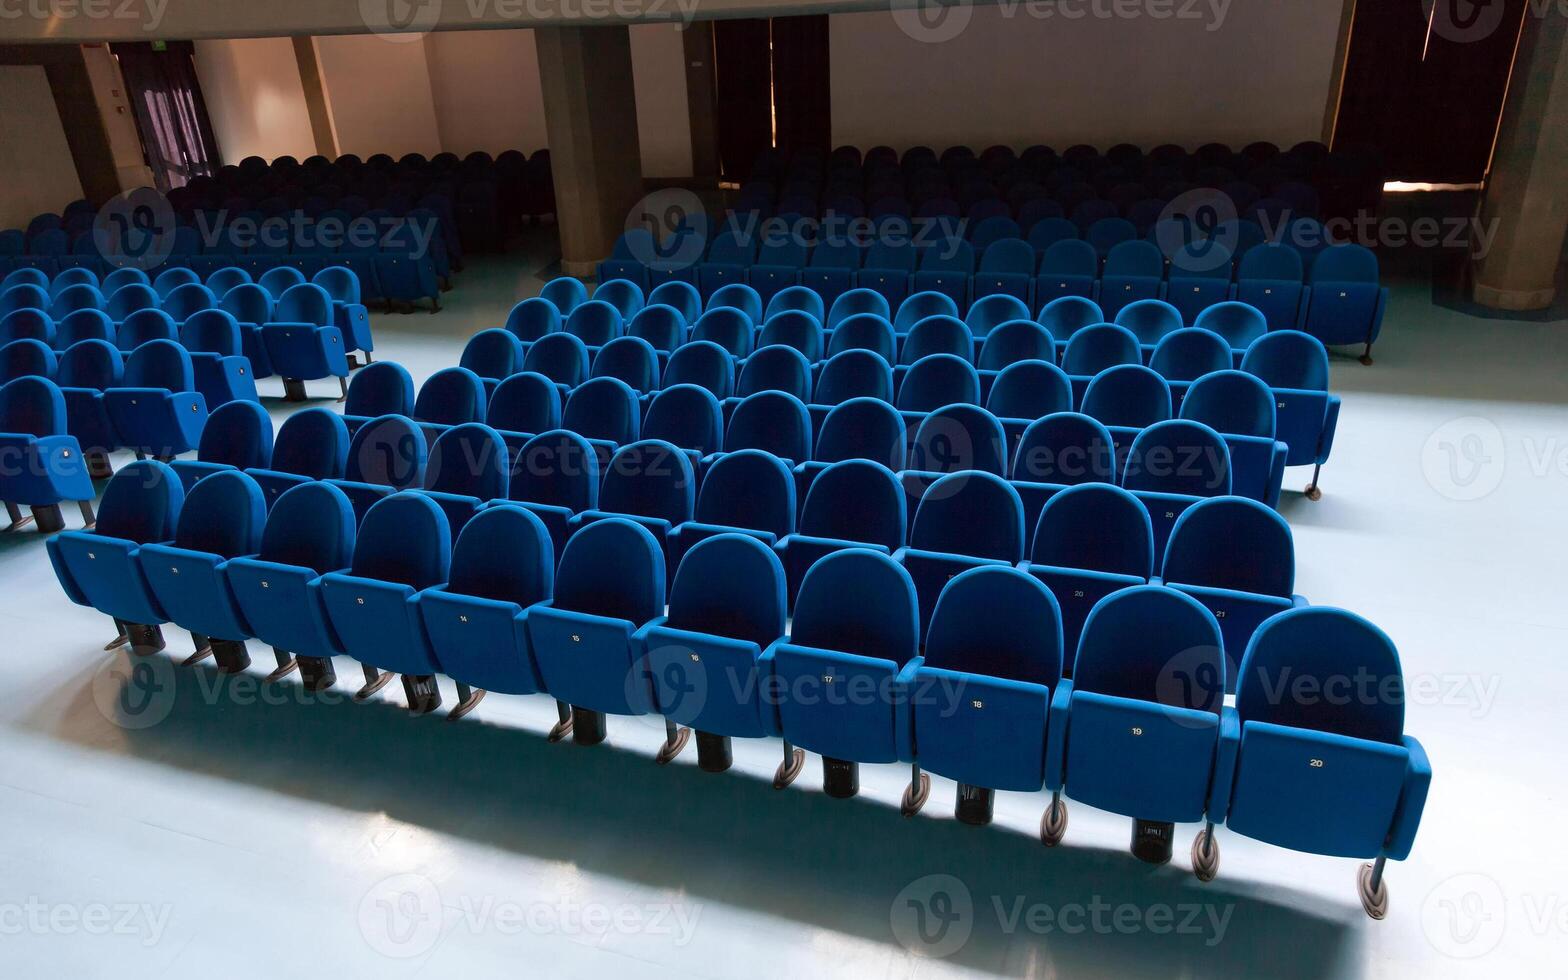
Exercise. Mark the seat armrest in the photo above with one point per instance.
(1056, 736)
(1330, 425)
(1225, 752)
(767, 689)
(903, 709)
(1412, 801)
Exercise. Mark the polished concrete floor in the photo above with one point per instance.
(163, 822)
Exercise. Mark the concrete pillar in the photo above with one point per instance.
(316, 105)
(590, 109)
(1526, 197)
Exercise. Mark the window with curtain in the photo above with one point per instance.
(171, 116)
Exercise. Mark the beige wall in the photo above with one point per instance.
(1009, 77)
(34, 157)
(486, 87)
(254, 98)
(378, 92)
(663, 122)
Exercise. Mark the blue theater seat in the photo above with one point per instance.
(794, 328)
(403, 547)
(858, 302)
(1199, 278)
(727, 326)
(349, 313)
(100, 567)
(982, 696)
(1270, 278)
(831, 272)
(1234, 555)
(796, 299)
(681, 296)
(937, 334)
(1189, 353)
(888, 267)
(631, 360)
(186, 301)
(565, 293)
(524, 403)
(1016, 340)
(728, 259)
(748, 491)
(1150, 320)
(1238, 323)
(864, 331)
(946, 267)
(237, 435)
(1133, 270)
(852, 503)
(687, 416)
(623, 294)
(534, 318)
(1007, 268)
(277, 280)
(923, 306)
(492, 354)
(41, 463)
(85, 371)
(1136, 731)
(1094, 348)
(661, 326)
(27, 323)
(989, 312)
(555, 475)
(143, 326)
(595, 323)
(964, 520)
(81, 296)
(122, 277)
(387, 454)
(737, 296)
(1092, 539)
(863, 428)
(937, 380)
(468, 468)
(1231, 402)
(856, 624)
(251, 306)
(854, 373)
(310, 445)
(561, 357)
(131, 298)
(1028, 390)
(631, 250)
(451, 396)
(1065, 315)
(727, 606)
(1346, 303)
(303, 342)
(776, 368)
(503, 565)
(590, 639)
(604, 409)
(779, 261)
(955, 438)
(157, 410)
(1325, 775)
(380, 389)
(223, 373)
(222, 519)
(1170, 465)
(1295, 366)
(25, 296)
(651, 483)
(704, 364)
(82, 325)
(1067, 268)
(772, 421)
(1127, 395)
(27, 358)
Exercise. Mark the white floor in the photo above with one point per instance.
(164, 823)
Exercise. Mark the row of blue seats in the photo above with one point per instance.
(1340, 302)
(984, 689)
(340, 282)
(207, 359)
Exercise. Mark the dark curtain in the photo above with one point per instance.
(743, 87)
(802, 100)
(1424, 84)
(171, 115)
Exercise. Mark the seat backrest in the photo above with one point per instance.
(561, 357)
(144, 326)
(623, 294)
(82, 296)
(90, 364)
(631, 360)
(564, 293)
(856, 302)
(492, 353)
(856, 500)
(469, 459)
(650, 478)
(970, 513)
(451, 396)
(25, 296)
(160, 364)
(1069, 257)
(865, 331)
(1232, 402)
(737, 296)
(1203, 259)
(776, 368)
(280, 279)
(1066, 448)
(171, 279)
(861, 602)
(1008, 256)
(558, 468)
(863, 428)
(919, 306)
(524, 402)
(727, 326)
(123, 276)
(1347, 262)
(1288, 359)
(1189, 353)
(1065, 315)
(1094, 348)
(702, 363)
(1232, 543)
(313, 443)
(24, 358)
(1135, 258)
(388, 451)
(1095, 526)
(688, 416)
(959, 437)
(141, 503)
(750, 489)
(612, 568)
(223, 515)
(1149, 319)
(79, 326)
(997, 622)
(248, 302)
(534, 318)
(802, 299)
(989, 312)
(1128, 395)
(211, 331)
(662, 326)
(1323, 650)
(238, 433)
(504, 554)
(948, 255)
(730, 585)
(854, 373)
(382, 388)
(340, 283)
(1239, 323)
(1109, 234)
(303, 302)
(1149, 643)
(937, 334)
(1016, 340)
(604, 408)
(680, 296)
(595, 322)
(26, 323)
(189, 299)
(937, 380)
(1178, 456)
(129, 298)
(31, 405)
(404, 538)
(1030, 390)
(1271, 261)
(773, 421)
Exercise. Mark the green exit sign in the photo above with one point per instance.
(160, 45)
